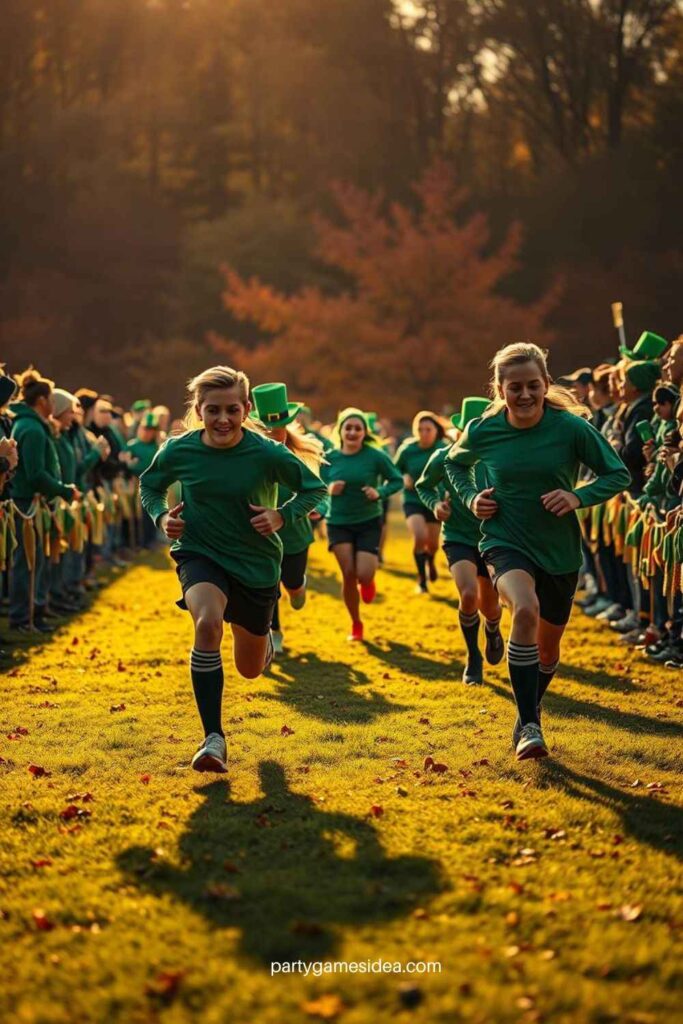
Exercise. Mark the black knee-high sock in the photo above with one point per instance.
(523, 668)
(421, 563)
(469, 625)
(206, 669)
(545, 677)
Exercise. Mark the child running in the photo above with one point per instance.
(428, 435)
(224, 534)
(359, 475)
(461, 536)
(278, 417)
(532, 443)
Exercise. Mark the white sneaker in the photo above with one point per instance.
(212, 755)
(612, 612)
(531, 743)
(278, 641)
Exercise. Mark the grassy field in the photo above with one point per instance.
(133, 890)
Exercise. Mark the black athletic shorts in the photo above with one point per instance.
(420, 510)
(293, 571)
(249, 607)
(456, 552)
(555, 593)
(364, 536)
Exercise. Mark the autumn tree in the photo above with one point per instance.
(422, 312)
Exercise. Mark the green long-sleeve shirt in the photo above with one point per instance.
(38, 469)
(218, 485)
(299, 535)
(523, 464)
(143, 453)
(411, 459)
(462, 527)
(369, 467)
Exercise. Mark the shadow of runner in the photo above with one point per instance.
(409, 660)
(570, 707)
(647, 818)
(301, 873)
(333, 681)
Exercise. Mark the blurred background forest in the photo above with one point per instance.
(335, 190)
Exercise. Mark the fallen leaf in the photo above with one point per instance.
(43, 862)
(38, 772)
(120, 667)
(117, 707)
(165, 985)
(286, 731)
(144, 779)
(376, 810)
(42, 921)
(72, 811)
(327, 1007)
(424, 721)
(631, 912)
(429, 761)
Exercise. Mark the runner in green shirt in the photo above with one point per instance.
(142, 448)
(224, 534)
(461, 534)
(272, 407)
(358, 475)
(427, 436)
(532, 443)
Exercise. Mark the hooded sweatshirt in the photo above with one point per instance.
(38, 470)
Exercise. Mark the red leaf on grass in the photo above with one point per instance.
(43, 862)
(117, 707)
(42, 921)
(144, 779)
(439, 768)
(120, 667)
(286, 731)
(72, 811)
(37, 771)
(429, 761)
(376, 810)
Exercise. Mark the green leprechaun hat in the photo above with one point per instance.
(150, 421)
(271, 407)
(648, 346)
(472, 408)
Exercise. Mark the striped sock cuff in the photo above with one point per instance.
(522, 654)
(469, 620)
(493, 625)
(549, 669)
(205, 661)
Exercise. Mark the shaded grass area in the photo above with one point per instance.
(546, 891)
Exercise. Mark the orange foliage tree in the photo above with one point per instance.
(421, 317)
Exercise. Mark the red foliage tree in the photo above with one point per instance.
(421, 318)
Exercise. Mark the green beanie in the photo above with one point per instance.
(643, 376)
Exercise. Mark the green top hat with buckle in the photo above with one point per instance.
(648, 346)
(472, 408)
(271, 407)
(141, 405)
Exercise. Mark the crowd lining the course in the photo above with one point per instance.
(71, 463)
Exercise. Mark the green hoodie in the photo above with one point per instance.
(38, 470)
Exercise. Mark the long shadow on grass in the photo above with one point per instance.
(571, 707)
(301, 681)
(409, 660)
(284, 872)
(646, 818)
(600, 679)
(323, 582)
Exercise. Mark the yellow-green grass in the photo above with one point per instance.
(547, 891)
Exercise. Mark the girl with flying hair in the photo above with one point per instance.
(224, 534)
(359, 475)
(532, 442)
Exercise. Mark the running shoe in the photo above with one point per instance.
(495, 647)
(297, 599)
(368, 592)
(473, 673)
(278, 641)
(598, 606)
(517, 728)
(611, 613)
(531, 743)
(626, 623)
(356, 631)
(212, 754)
